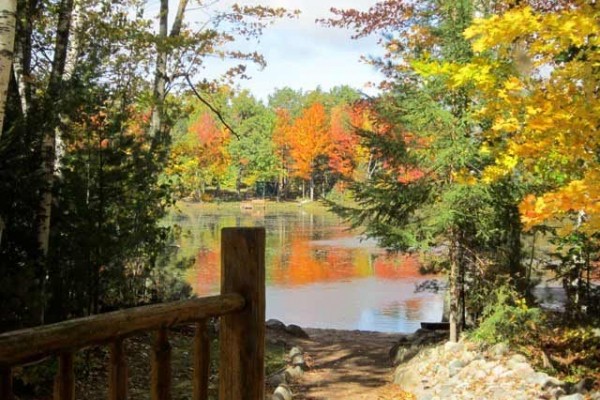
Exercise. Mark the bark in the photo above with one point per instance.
(160, 75)
(8, 10)
(162, 59)
(49, 140)
(454, 292)
(22, 59)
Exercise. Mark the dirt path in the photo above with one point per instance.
(346, 365)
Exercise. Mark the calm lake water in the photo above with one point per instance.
(318, 273)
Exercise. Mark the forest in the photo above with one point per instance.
(482, 140)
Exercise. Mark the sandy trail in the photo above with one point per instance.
(346, 365)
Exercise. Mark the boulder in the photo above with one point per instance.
(500, 349)
(409, 379)
(283, 392)
(296, 331)
(454, 347)
(575, 396)
(400, 354)
(294, 351)
(275, 324)
(583, 386)
(293, 373)
(454, 367)
(277, 379)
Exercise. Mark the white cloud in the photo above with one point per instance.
(300, 53)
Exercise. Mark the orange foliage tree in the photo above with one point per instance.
(308, 138)
(201, 157)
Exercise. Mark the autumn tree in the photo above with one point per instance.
(423, 137)
(309, 140)
(345, 152)
(85, 72)
(535, 81)
(200, 157)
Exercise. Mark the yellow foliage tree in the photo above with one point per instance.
(536, 82)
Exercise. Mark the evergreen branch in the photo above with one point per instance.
(211, 107)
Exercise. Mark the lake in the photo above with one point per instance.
(318, 273)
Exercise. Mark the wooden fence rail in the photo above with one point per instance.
(241, 306)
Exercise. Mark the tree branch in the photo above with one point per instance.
(210, 106)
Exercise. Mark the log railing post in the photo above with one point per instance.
(64, 383)
(6, 392)
(201, 361)
(242, 335)
(161, 366)
(117, 373)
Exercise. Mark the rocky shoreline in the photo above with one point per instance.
(466, 370)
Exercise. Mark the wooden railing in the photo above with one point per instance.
(241, 306)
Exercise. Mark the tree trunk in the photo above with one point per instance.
(160, 75)
(48, 150)
(8, 12)
(22, 59)
(312, 189)
(49, 140)
(454, 292)
(159, 90)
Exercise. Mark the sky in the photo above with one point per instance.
(301, 54)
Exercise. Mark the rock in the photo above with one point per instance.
(576, 396)
(455, 366)
(583, 386)
(556, 393)
(408, 378)
(446, 391)
(518, 359)
(500, 349)
(552, 382)
(277, 379)
(538, 378)
(294, 351)
(275, 324)
(296, 331)
(293, 373)
(403, 354)
(452, 347)
(283, 392)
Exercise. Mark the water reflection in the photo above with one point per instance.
(318, 273)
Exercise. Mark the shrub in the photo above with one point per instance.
(507, 319)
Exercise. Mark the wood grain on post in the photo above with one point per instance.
(64, 383)
(201, 361)
(117, 374)
(242, 335)
(161, 366)
(6, 392)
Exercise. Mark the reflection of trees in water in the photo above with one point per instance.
(291, 258)
(413, 307)
(410, 309)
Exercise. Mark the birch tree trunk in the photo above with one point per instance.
(8, 11)
(22, 58)
(49, 140)
(160, 75)
(162, 59)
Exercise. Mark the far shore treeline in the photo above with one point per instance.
(482, 141)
